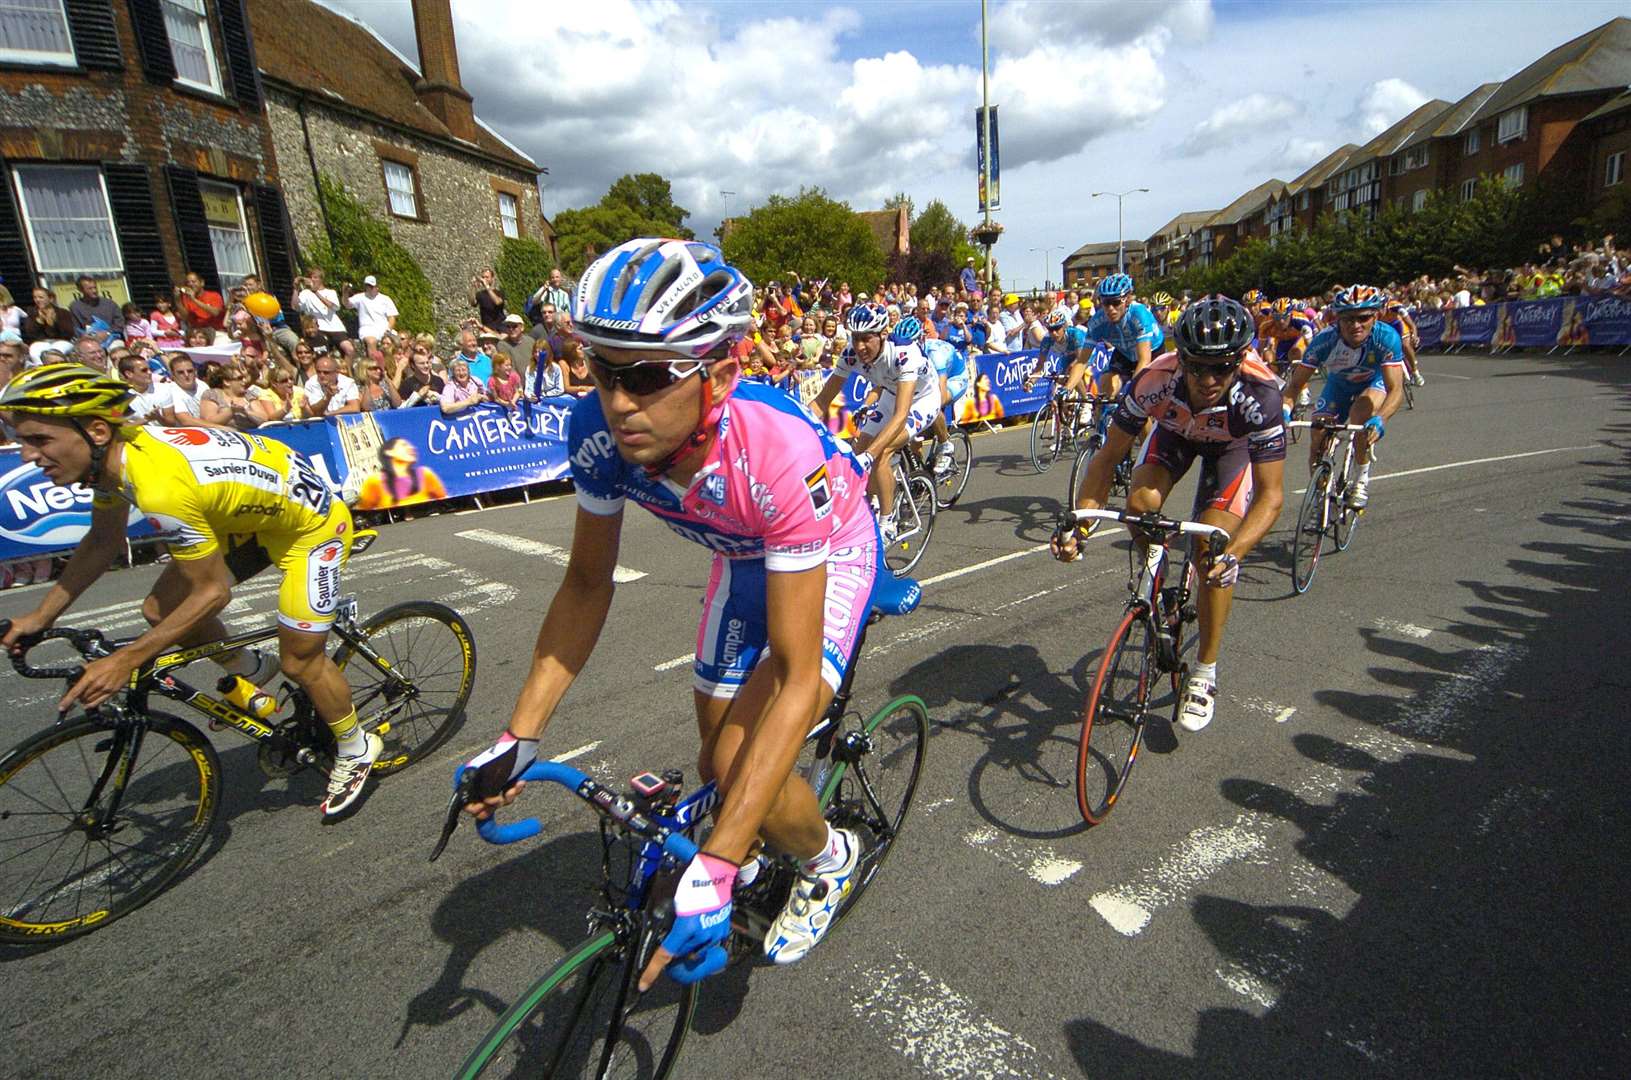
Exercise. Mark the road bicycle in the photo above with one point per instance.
(1147, 643)
(949, 482)
(909, 523)
(1056, 427)
(99, 813)
(1103, 408)
(1325, 508)
(586, 1016)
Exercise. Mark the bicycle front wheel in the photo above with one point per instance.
(1113, 716)
(914, 522)
(96, 818)
(586, 1018)
(414, 697)
(1044, 437)
(1310, 534)
(950, 484)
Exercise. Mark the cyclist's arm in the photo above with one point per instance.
(1393, 375)
(1301, 372)
(207, 587)
(829, 391)
(88, 562)
(573, 624)
(1142, 358)
(903, 406)
(794, 602)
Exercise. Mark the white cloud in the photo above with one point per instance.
(1295, 155)
(1384, 103)
(1229, 123)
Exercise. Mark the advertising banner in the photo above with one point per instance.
(992, 199)
(1531, 324)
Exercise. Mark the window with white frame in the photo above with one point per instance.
(1418, 201)
(35, 32)
(1302, 201)
(400, 189)
(1468, 189)
(509, 215)
(1470, 147)
(1513, 174)
(1512, 125)
(1615, 171)
(68, 222)
(192, 48)
(229, 235)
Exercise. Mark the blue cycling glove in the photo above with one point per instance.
(499, 766)
(1377, 429)
(702, 918)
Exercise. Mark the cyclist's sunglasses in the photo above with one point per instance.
(1201, 368)
(643, 377)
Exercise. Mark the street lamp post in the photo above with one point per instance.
(1121, 261)
(1047, 260)
(726, 196)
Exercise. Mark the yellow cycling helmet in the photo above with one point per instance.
(1162, 299)
(70, 390)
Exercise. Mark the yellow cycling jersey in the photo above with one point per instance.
(199, 486)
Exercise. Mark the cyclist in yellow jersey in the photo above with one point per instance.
(229, 505)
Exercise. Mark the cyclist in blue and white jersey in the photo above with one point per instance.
(1064, 353)
(1364, 376)
(903, 385)
(956, 377)
(1128, 326)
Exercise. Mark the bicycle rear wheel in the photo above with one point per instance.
(1310, 535)
(586, 1018)
(1346, 521)
(96, 818)
(418, 702)
(914, 522)
(871, 786)
(949, 485)
(1113, 716)
(1045, 437)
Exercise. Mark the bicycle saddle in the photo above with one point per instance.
(895, 596)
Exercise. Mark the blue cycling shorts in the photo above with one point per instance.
(1337, 396)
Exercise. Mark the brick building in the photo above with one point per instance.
(1085, 266)
(133, 147)
(1608, 130)
(404, 140)
(1357, 186)
(1230, 227)
(1171, 248)
(1425, 161)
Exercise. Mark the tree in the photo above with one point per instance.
(940, 247)
(523, 265)
(809, 233)
(898, 200)
(362, 245)
(635, 205)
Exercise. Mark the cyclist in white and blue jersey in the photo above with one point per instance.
(955, 380)
(1128, 327)
(1064, 354)
(1364, 376)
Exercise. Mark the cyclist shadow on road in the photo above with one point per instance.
(1029, 719)
(1448, 914)
(1033, 516)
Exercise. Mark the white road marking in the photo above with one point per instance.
(1447, 375)
(1248, 985)
(1474, 461)
(1284, 714)
(521, 545)
(1393, 626)
(1129, 908)
(1039, 863)
(930, 808)
(667, 665)
(486, 595)
(579, 752)
(1443, 707)
(949, 574)
(940, 1030)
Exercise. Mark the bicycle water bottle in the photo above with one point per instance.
(247, 696)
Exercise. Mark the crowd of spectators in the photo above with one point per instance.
(1558, 269)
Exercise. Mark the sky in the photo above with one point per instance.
(1197, 100)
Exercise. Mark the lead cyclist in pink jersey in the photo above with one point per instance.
(746, 472)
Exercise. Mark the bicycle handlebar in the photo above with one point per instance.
(606, 802)
(1217, 539)
(90, 644)
(1326, 425)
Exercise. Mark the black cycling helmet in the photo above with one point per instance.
(1214, 326)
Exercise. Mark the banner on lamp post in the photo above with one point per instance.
(989, 199)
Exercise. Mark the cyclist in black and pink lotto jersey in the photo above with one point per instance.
(746, 472)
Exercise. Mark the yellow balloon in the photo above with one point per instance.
(262, 305)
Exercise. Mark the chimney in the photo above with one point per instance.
(439, 88)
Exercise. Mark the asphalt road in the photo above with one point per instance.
(1400, 850)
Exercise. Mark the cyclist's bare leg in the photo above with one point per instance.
(882, 481)
(166, 595)
(1152, 482)
(1212, 605)
(305, 661)
(794, 824)
(1365, 406)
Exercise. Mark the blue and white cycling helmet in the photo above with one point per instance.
(867, 319)
(907, 331)
(1057, 319)
(670, 295)
(1114, 286)
(1358, 298)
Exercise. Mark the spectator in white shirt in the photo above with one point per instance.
(178, 399)
(376, 312)
(1012, 320)
(322, 304)
(329, 392)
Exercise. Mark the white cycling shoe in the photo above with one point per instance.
(1359, 493)
(811, 909)
(348, 776)
(1195, 710)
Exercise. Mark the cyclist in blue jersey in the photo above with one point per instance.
(1128, 326)
(1064, 354)
(955, 379)
(1364, 376)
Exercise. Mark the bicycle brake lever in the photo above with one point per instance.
(455, 809)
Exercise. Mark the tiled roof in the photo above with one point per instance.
(1188, 220)
(1454, 120)
(1394, 137)
(1613, 105)
(311, 47)
(1085, 253)
(1317, 173)
(1597, 60)
(1243, 207)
